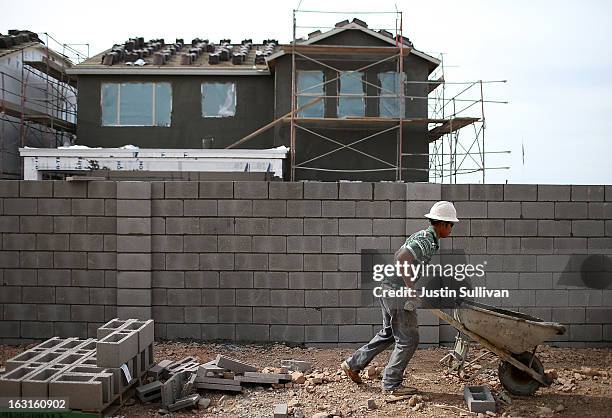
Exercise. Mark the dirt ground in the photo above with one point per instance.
(583, 387)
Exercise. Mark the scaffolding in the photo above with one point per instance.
(450, 107)
(39, 101)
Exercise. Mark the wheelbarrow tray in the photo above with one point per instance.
(513, 331)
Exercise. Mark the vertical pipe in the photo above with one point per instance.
(293, 99)
(483, 131)
(402, 98)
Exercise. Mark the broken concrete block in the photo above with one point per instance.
(188, 364)
(296, 365)
(266, 378)
(188, 387)
(214, 386)
(203, 403)
(184, 403)
(281, 410)
(171, 389)
(479, 399)
(233, 365)
(117, 348)
(149, 392)
(158, 371)
(217, 380)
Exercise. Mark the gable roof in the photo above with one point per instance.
(356, 24)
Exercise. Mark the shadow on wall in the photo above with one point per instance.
(591, 272)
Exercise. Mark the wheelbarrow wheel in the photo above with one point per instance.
(517, 381)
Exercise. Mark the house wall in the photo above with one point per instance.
(383, 146)
(254, 108)
(280, 261)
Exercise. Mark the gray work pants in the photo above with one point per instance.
(399, 327)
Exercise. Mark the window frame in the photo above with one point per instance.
(218, 116)
(341, 95)
(117, 118)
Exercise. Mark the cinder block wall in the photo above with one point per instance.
(279, 261)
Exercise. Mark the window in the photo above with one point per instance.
(309, 87)
(218, 100)
(136, 104)
(351, 101)
(389, 103)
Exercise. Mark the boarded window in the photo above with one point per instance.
(389, 102)
(136, 104)
(351, 101)
(309, 87)
(218, 100)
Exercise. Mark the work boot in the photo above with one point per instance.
(400, 391)
(352, 374)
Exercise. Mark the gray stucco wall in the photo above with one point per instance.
(279, 261)
(255, 107)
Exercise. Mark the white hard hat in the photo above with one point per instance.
(443, 211)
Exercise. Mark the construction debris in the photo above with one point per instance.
(233, 365)
(296, 365)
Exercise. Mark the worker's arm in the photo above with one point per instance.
(404, 255)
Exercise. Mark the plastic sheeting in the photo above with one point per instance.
(218, 100)
(388, 104)
(351, 101)
(310, 86)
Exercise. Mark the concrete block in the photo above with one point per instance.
(252, 332)
(536, 245)
(234, 243)
(238, 315)
(172, 207)
(287, 297)
(149, 392)
(455, 192)
(117, 348)
(70, 224)
(101, 225)
(252, 226)
(36, 384)
(355, 227)
(550, 228)
(304, 208)
(338, 209)
(236, 279)
(216, 226)
(600, 210)
(238, 207)
(217, 386)
(355, 190)
(541, 280)
(111, 326)
(9, 188)
(520, 192)
(269, 315)
(28, 188)
(538, 210)
(286, 262)
(423, 191)
(287, 333)
(133, 190)
(145, 330)
(36, 330)
(134, 262)
(133, 226)
(521, 228)
(251, 189)
(216, 189)
(305, 280)
(304, 244)
(183, 226)
(321, 333)
(54, 207)
(89, 242)
(89, 392)
(184, 297)
(20, 206)
(102, 189)
(253, 297)
(269, 244)
(479, 399)
(10, 383)
(16, 242)
(502, 245)
(553, 193)
(389, 191)
(320, 262)
(200, 207)
(233, 364)
(181, 190)
(320, 298)
(320, 190)
(485, 227)
(269, 208)
(590, 193)
(134, 297)
(588, 228)
(586, 332)
(503, 210)
(570, 210)
(182, 261)
(286, 190)
(89, 207)
(492, 192)
(519, 263)
(133, 208)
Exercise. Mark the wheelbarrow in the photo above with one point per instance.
(512, 336)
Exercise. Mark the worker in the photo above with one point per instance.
(399, 314)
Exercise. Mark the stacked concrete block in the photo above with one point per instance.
(134, 250)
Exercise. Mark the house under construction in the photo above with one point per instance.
(37, 98)
(350, 102)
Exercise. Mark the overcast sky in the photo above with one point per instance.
(554, 54)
